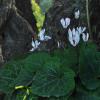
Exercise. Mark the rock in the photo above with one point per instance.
(16, 32)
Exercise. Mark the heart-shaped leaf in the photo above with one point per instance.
(90, 68)
(32, 64)
(53, 81)
(8, 75)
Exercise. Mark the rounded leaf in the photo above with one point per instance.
(53, 81)
(90, 69)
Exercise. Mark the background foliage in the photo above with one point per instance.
(39, 11)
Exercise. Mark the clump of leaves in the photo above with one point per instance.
(41, 73)
(69, 74)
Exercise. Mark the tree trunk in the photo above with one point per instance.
(15, 31)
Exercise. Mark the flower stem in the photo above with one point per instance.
(88, 16)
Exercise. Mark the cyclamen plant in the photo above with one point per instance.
(41, 37)
(63, 74)
(74, 34)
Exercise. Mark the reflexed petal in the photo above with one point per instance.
(81, 29)
(42, 31)
(62, 21)
(73, 31)
(77, 37)
(74, 37)
(69, 34)
(35, 45)
(69, 31)
(85, 37)
(84, 28)
(47, 38)
(58, 44)
(77, 14)
(41, 34)
(67, 22)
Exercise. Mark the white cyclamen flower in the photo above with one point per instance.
(81, 29)
(47, 38)
(35, 45)
(74, 37)
(65, 22)
(85, 37)
(77, 14)
(41, 35)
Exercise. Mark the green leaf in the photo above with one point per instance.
(81, 93)
(83, 96)
(19, 94)
(53, 81)
(32, 97)
(68, 58)
(8, 75)
(32, 64)
(21, 73)
(90, 68)
(59, 98)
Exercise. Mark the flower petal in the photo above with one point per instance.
(63, 23)
(37, 44)
(47, 38)
(41, 34)
(77, 37)
(81, 29)
(67, 22)
(69, 34)
(33, 49)
(33, 44)
(74, 37)
(85, 37)
(84, 28)
(73, 31)
(77, 14)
